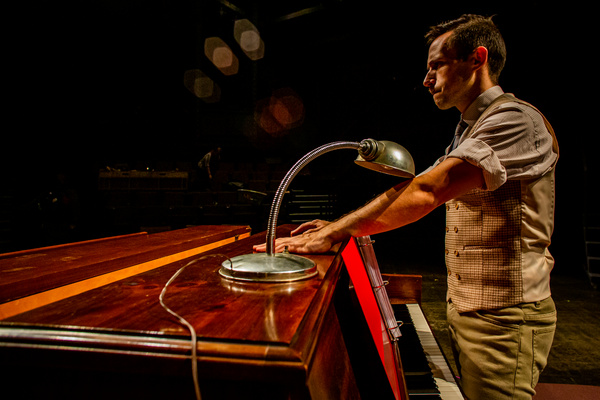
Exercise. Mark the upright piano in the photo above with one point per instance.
(149, 316)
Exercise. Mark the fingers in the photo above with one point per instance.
(306, 239)
(260, 248)
(310, 226)
(302, 244)
(280, 245)
(303, 228)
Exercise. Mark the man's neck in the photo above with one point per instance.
(476, 90)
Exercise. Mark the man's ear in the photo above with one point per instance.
(480, 57)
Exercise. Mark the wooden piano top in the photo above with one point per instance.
(282, 336)
(29, 272)
(233, 320)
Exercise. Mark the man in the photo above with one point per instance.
(497, 182)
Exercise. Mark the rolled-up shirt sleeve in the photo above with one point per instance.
(512, 142)
(483, 156)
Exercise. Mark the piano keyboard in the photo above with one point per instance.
(426, 371)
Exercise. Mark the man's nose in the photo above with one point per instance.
(429, 81)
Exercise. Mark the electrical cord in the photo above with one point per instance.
(184, 322)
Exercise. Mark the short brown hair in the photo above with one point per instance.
(469, 32)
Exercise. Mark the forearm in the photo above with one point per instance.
(398, 206)
(409, 201)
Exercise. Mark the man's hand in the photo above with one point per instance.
(308, 227)
(311, 241)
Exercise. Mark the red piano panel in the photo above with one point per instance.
(364, 291)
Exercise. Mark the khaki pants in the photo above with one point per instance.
(501, 353)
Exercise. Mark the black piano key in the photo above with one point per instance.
(417, 373)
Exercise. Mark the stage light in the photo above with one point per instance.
(283, 111)
(201, 85)
(219, 53)
(248, 37)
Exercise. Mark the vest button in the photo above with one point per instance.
(456, 229)
(449, 272)
(458, 276)
(456, 253)
(447, 229)
(447, 251)
(457, 206)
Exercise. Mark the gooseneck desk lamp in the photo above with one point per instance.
(382, 156)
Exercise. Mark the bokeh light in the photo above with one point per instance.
(248, 37)
(201, 85)
(283, 111)
(219, 53)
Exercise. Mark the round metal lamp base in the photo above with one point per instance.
(262, 267)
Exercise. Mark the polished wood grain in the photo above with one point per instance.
(403, 289)
(285, 335)
(254, 340)
(33, 278)
(246, 311)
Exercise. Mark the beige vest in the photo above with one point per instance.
(497, 241)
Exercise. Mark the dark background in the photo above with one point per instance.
(94, 83)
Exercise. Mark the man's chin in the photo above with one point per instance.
(441, 104)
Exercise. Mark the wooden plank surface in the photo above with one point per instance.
(403, 289)
(31, 271)
(33, 278)
(218, 308)
(263, 340)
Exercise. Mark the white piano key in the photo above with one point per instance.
(437, 362)
(448, 391)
